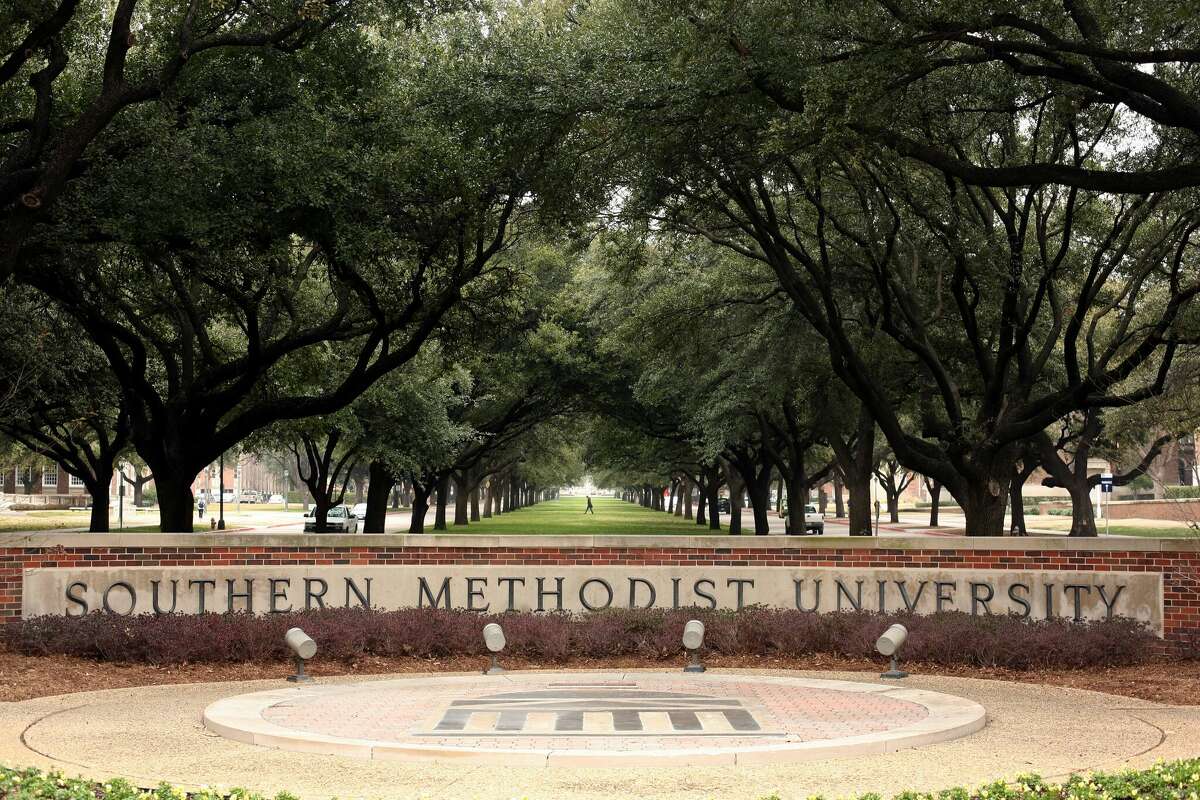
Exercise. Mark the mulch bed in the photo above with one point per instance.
(27, 677)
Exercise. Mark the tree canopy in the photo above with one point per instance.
(475, 249)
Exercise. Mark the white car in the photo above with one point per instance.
(338, 520)
(359, 511)
(276, 499)
(814, 521)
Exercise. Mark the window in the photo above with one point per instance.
(50, 477)
(76, 483)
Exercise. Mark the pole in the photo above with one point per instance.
(287, 488)
(1106, 522)
(875, 493)
(221, 520)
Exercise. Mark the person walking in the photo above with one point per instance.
(589, 509)
(200, 508)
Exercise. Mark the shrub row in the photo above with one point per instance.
(947, 638)
(1176, 780)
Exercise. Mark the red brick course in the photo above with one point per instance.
(1180, 569)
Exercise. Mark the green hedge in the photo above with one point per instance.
(1182, 492)
(1175, 780)
(33, 784)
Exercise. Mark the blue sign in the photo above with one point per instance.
(1106, 483)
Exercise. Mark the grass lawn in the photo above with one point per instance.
(1150, 533)
(43, 520)
(565, 515)
(1146, 528)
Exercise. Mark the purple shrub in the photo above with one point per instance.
(346, 635)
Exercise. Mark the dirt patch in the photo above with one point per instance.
(25, 677)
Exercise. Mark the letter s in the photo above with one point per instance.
(77, 599)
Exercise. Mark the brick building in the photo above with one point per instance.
(41, 486)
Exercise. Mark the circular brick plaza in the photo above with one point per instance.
(574, 719)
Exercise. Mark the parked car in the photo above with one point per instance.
(338, 520)
(250, 496)
(359, 511)
(813, 521)
(276, 498)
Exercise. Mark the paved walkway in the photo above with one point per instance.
(155, 733)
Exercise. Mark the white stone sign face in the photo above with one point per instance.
(190, 590)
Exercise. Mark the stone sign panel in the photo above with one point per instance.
(1084, 595)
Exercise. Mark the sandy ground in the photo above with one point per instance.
(154, 733)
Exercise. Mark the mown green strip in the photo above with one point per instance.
(1174, 780)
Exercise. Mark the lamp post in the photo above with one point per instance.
(221, 516)
(287, 488)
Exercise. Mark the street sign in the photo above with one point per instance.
(1106, 482)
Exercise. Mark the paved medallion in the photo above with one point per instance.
(607, 712)
(541, 718)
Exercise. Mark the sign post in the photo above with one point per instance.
(1106, 487)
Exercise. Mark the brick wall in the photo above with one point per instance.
(1177, 561)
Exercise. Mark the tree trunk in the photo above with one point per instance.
(736, 491)
(983, 504)
(688, 488)
(379, 488)
(420, 507)
(462, 509)
(139, 488)
(935, 498)
(1016, 509)
(859, 486)
(822, 499)
(1083, 513)
(839, 505)
(893, 506)
(701, 508)
(714, 506)
(796, 501)
(856, 457)
(475, 504)
(99, 490)
(175, 505)
(760, 502)
(443, 495)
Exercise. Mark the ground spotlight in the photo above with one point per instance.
(693, 638)
(493, 639)
(889, 644)
(303, 648)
